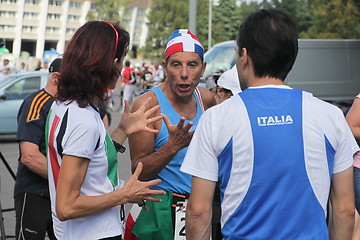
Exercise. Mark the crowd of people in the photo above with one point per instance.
(6, 69)
(247, 157)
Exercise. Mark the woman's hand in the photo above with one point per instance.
(138, 121)
(138, 191)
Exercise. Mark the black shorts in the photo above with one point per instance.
(33, 217)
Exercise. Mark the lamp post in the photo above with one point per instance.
(192, 16)
(210, 24)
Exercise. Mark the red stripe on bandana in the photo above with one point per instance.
(177, 47)
(55, 167)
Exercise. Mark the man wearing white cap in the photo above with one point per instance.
(228, 85)
(182, 104)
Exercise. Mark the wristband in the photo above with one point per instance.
(119, 148)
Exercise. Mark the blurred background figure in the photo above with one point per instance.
(23, 68)
(228, 85)
(129, 78)
(38, 66)
(45, 67)
(158, 75)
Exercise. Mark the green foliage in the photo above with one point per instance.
(314, 18)
(167, 16)
(107, 10)
(335, 19)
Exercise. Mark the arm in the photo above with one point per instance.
(353, 118)
(136, 121)
(199, 209)
(70, 204)
(33, 159)
(142, 143)
(343, 208)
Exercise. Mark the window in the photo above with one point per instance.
(29, 28)
(73, 18)
(53, 16)
(70, 30)
(55, 3)
(52, 29)
(8, 1)
(75, 5)
(94, 6)
(7, 28)
(30, 15)
(22, 88)
(7, 14)
(31, 2)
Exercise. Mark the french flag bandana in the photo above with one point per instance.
(182, 40)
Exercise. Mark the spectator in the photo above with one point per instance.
(31, 192)
(23, 68)
(129, 77)
(146, 77)
(277, 152)
(158, 75)
(211, 81)
(5, 69)
(45, 67)
(163, 153)
(38, 66)
(84, 186)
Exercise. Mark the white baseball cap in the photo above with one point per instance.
(230, 80)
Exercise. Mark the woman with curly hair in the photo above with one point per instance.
(85, 190)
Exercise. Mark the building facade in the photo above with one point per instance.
(29, 27)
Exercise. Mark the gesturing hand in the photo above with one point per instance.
(139, 191)
(138, 121)
(179, 135)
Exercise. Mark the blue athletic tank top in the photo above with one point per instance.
(171, 177)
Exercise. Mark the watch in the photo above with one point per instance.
(119, 148)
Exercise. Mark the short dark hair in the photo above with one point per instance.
(271, 40)
(127, 63)
(88, 62)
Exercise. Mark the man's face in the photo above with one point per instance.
(183, 70)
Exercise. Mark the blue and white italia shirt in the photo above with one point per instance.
(273, 150)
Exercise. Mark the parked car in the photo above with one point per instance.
(13, 90)
(328, 68)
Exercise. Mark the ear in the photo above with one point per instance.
(203, 68)
(244, 55)
(55, 78)
(163, 64)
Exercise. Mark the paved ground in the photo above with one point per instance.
(9, 149)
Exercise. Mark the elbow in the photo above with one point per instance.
(198, 211)
(63, 213)
(344, 212)
(147, 172)
(25, 159)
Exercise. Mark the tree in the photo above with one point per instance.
(107, 10)
(336, 19)
(165, 17)
(226, 21)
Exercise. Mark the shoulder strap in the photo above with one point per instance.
(198, 95)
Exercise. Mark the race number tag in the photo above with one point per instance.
(180, 221)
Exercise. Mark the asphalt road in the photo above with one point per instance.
(9, 149)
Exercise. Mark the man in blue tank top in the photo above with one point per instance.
(278, 153)
(182, 103)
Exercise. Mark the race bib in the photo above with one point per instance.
(180, 221)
